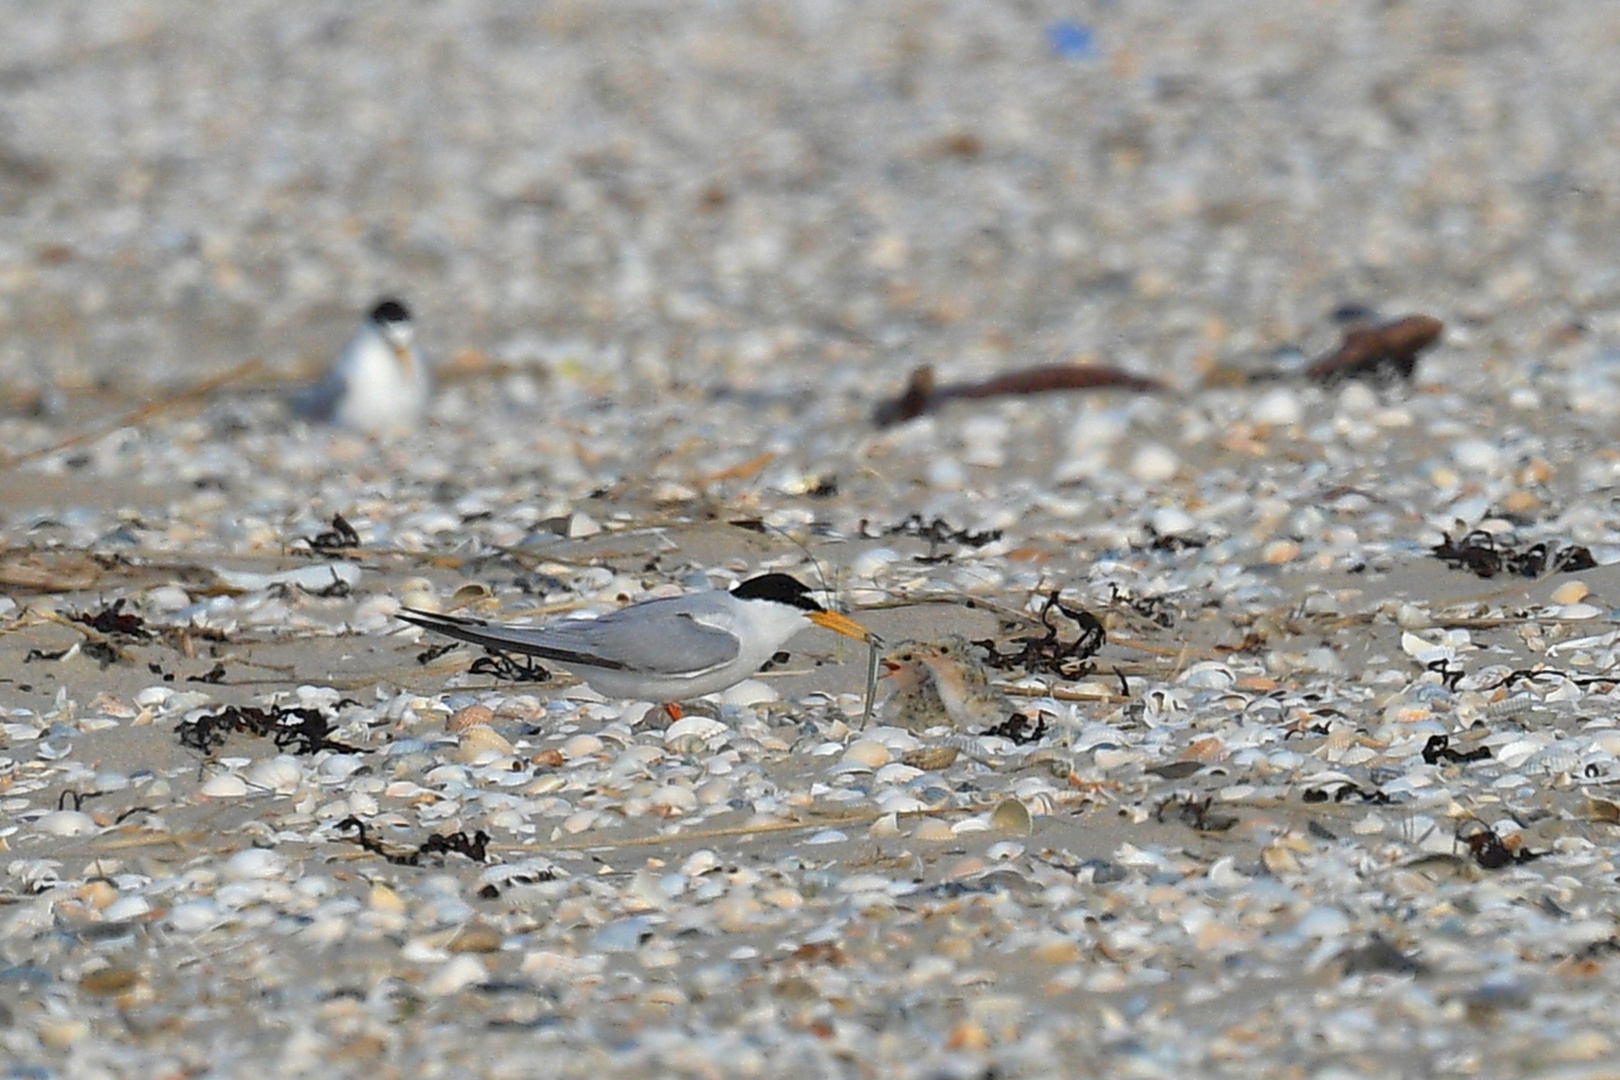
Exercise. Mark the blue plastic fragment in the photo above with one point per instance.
(1071, 41)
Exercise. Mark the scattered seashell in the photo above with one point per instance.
(382, 898)
(1004, 850)
(702, 729)
(931, 758)
(223, 786)
(471, 716)
(481, 744)
(1570, 592)
(1279, 860)
(671, 799)
(1154, 464)
(98, 894)
(472, 594)
(886, 826)
(281, 774)
(309, 578)
(476, 937)
(581, 746)
(1280, 407)
(126, 908)
(1278, 552)
(749, 692)
(1208, 675)
(254, 864)
(1011, 816)
(67, 823)
(867, 753)
(108, 981)
(456, 975)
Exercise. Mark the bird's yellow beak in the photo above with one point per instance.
(835, 622)
(402, 357)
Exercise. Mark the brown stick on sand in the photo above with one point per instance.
(1388, 351)
(186, 396)
(922, 395)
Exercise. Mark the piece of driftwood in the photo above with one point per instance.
(187, 396)
(922, 394)
(28, 570)
(1385, 352)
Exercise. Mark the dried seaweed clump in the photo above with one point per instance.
(302, 731)
(1049, 653)
(1482, 554)
(456, 843)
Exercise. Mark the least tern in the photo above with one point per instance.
(377, 385)
(942, 682)
(912, 701)
(671, 649)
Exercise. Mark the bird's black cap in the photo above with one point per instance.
(782, 588)
(390, 311)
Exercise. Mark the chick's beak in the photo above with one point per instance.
(402, 354)
(835, 622)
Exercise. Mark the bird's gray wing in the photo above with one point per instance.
(657, 642)
(320, 401)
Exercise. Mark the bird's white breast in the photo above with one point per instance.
(383, 391)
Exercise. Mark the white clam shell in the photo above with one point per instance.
(1560, 757)
(339, 767)
(67, 823)
(223, 786)
(580, 746)
(254, 864)
(703, 728)
(1519, 751)
(281, 774)
(674, 799)
(1208, 675)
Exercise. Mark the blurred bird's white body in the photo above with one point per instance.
(378, 385)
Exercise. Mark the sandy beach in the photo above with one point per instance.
(1338, 796)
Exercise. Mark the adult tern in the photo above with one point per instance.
(378, 385)
(670, 649)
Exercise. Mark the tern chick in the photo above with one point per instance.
(378, 385)
(937, 683)
(912, 701)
